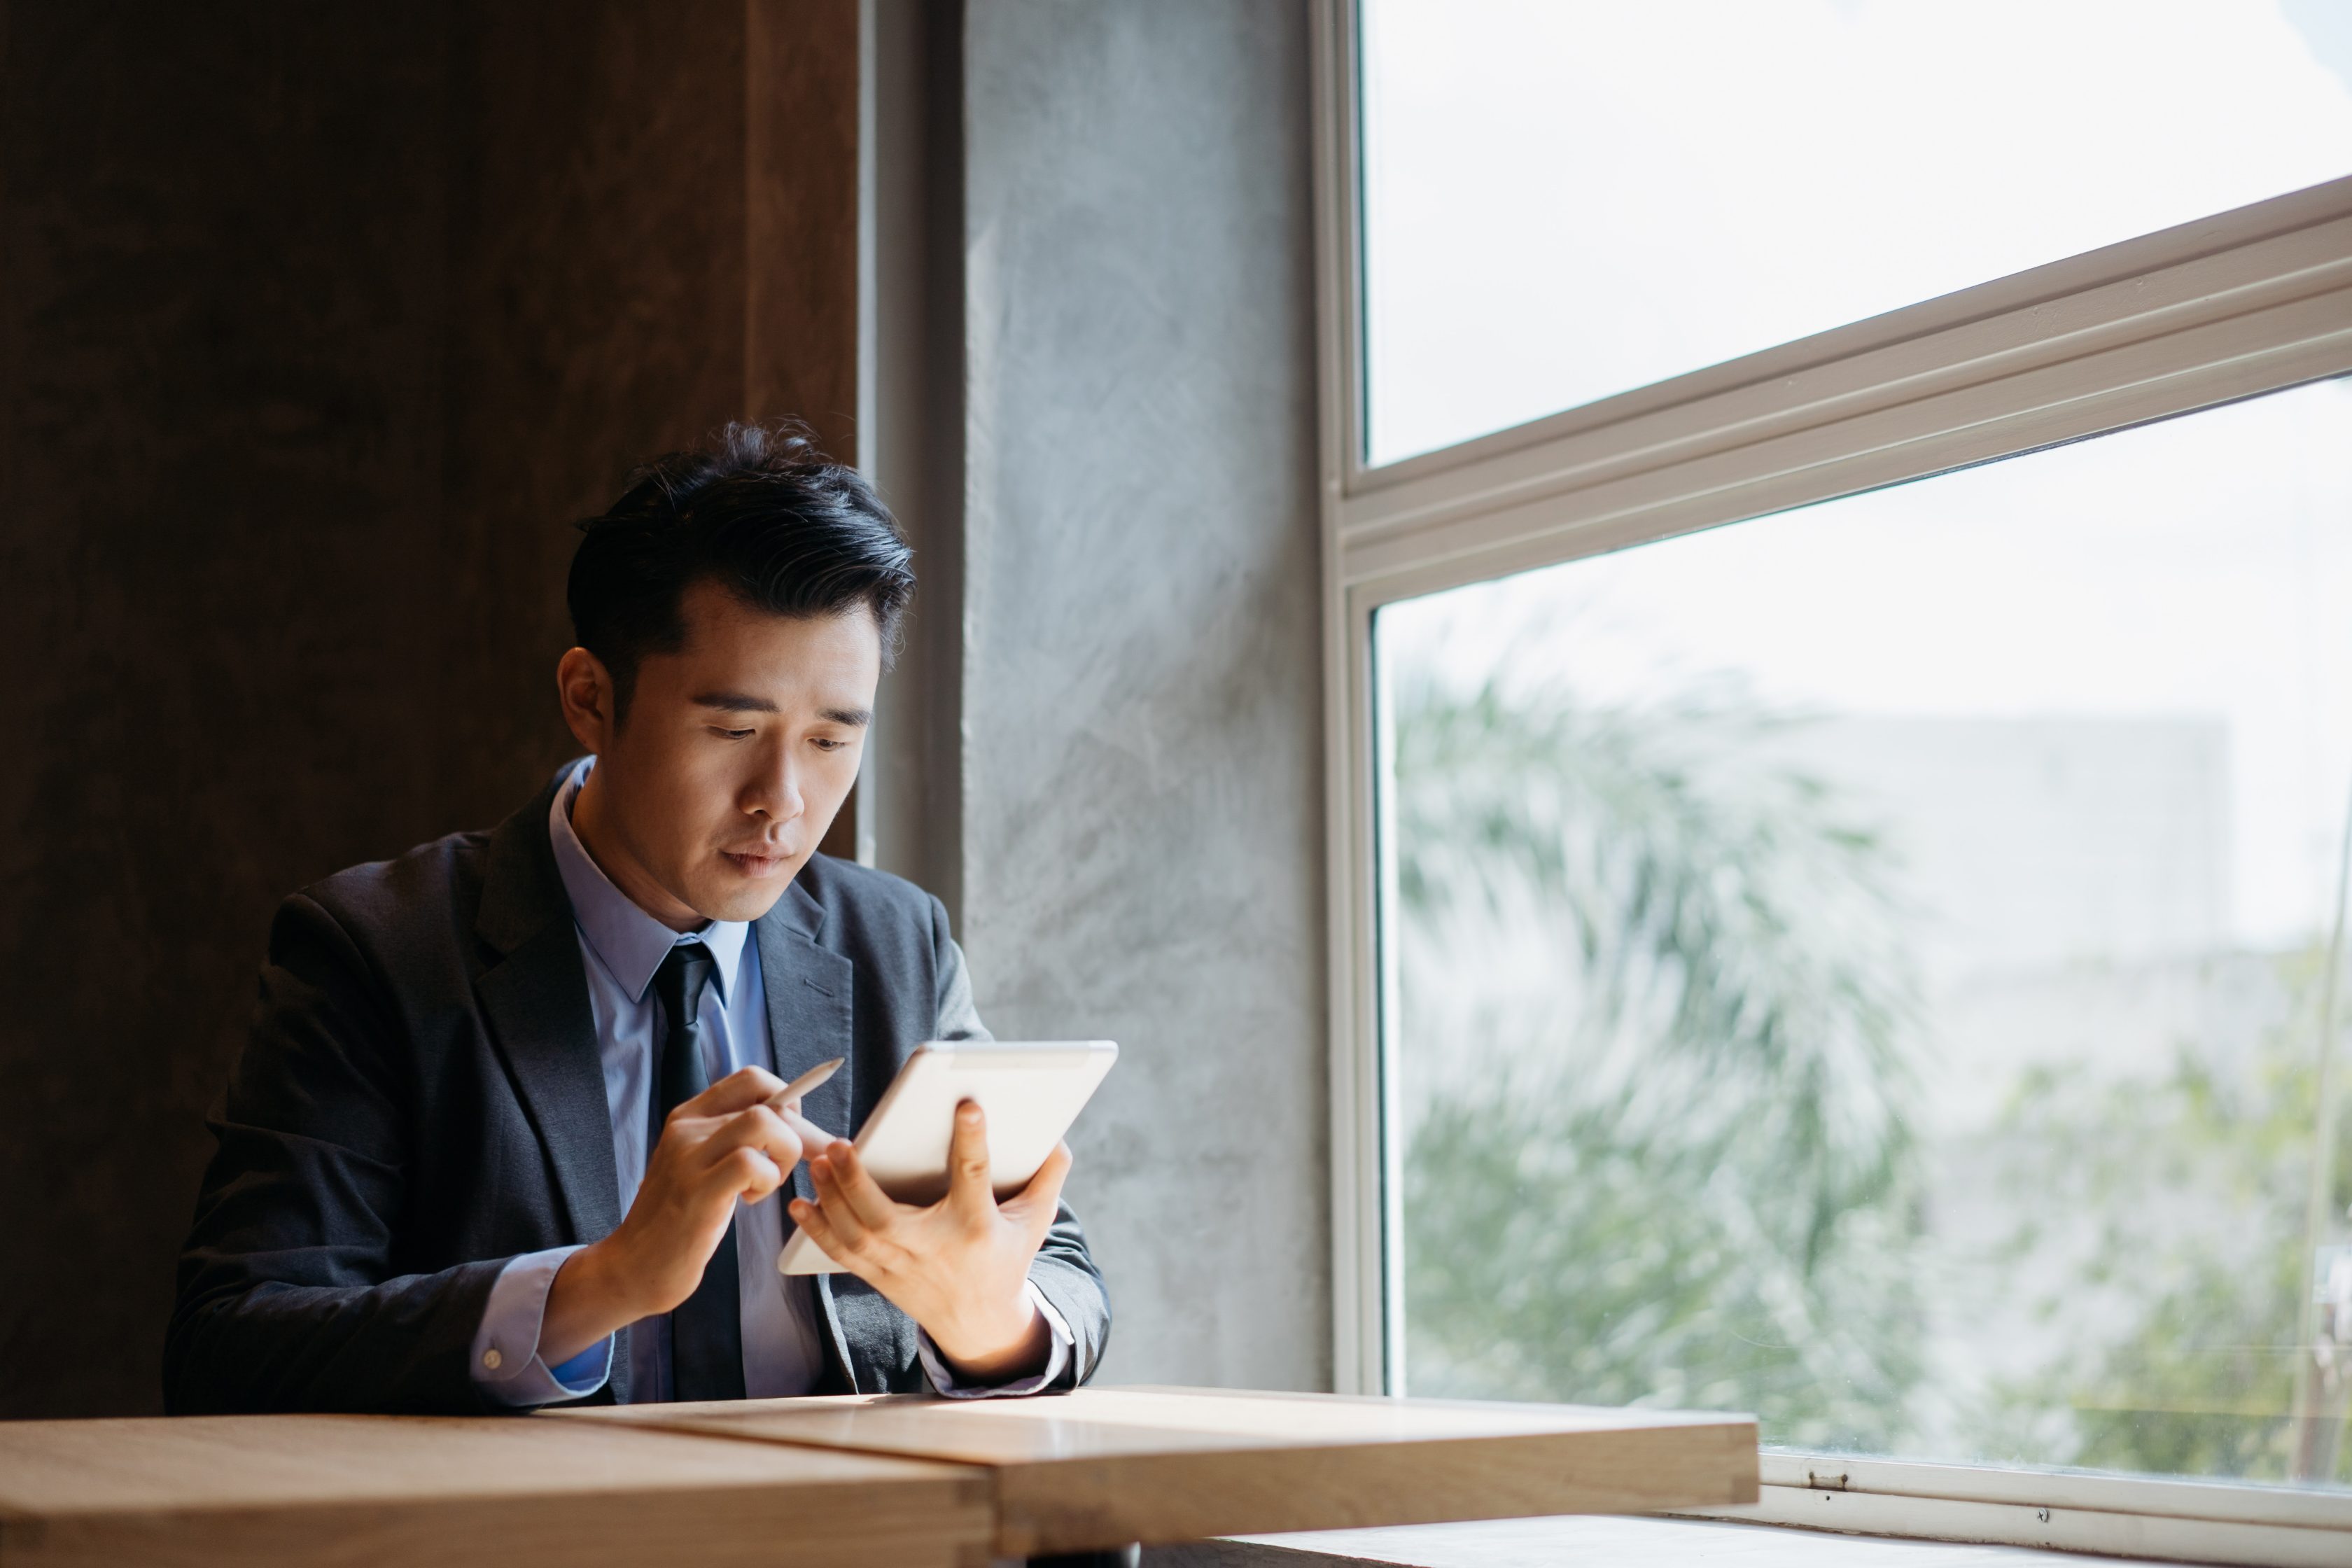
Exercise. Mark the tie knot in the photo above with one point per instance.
(679, 981)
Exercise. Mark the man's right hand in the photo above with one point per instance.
(724, 1144)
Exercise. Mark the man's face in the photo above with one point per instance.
(737, 752)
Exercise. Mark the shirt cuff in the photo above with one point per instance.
(505, 1360)
(945, 1381)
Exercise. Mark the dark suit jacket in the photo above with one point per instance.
(421, 1100)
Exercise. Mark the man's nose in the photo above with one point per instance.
(776, 794)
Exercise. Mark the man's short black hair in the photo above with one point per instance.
(761, 513)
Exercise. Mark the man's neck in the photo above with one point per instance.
(592, 823)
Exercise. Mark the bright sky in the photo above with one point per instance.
(1566, 200)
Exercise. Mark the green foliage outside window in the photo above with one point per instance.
(1695, 1181)
(2194, 1372)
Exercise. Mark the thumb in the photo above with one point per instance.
(969, 1192)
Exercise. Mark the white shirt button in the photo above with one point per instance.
(490, 1358)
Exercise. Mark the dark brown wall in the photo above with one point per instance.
(317, 327)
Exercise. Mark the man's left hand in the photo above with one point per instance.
(960, 1267)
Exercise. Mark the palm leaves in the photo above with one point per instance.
(1696, 1176)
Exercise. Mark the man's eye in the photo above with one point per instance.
(731, 734)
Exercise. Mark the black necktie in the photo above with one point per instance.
(706, 1330)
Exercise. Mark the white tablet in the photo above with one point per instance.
(1031, 1091)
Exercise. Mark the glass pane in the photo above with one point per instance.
(1868, 965)
(1565, 199)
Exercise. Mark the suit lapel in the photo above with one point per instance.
(808, 990)
(536, 1000)
(537, 1003)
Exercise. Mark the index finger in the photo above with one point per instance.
(1037, 1203)
(812, 1136)
(847, 1175)
(739, 1090)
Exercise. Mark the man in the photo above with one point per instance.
(502, 1136)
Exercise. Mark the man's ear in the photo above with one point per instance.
(584, 688)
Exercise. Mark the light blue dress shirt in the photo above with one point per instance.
(621, 947)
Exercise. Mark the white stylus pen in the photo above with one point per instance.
(806, 1083)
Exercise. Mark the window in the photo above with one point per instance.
(1839, 840)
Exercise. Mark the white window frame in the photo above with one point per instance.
(2227, 307)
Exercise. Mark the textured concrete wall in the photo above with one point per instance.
(319, 325)
(1143, 854)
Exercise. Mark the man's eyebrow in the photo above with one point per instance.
(743, 702)
(734, 702)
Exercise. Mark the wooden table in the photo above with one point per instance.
(1101, 1467)
(877, 1480)
(463, 1492)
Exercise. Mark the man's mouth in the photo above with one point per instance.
(755, 862)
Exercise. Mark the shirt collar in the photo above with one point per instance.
(630, 942)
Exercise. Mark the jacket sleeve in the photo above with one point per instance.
(286, 1297)
(1063, 1271)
